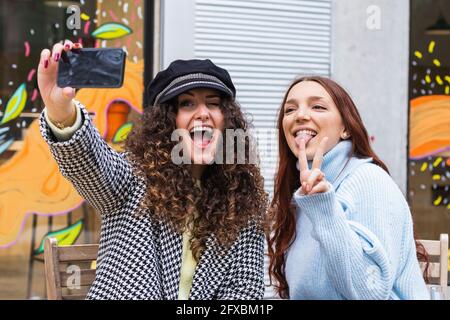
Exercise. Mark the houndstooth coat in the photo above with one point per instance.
(140, 258)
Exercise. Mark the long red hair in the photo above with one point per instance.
(282, 213)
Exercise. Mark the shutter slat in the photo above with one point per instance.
(242, 15)
(262, 57)
(293, 33)
(227, 50)
(310, 3)
(287, 26)
(251, 39)
(299, 6)
(263, 45)
(265, 10)
(264, 63)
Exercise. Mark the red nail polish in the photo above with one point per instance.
(67, 46)
(76, 45)
(45, 64)
(57, 57)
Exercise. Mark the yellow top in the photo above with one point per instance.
(188, 263)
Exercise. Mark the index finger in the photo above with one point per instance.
(302, 159)
(68, 45)
(318, 157)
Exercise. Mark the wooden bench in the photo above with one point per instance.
(69, 270)
(438, 268)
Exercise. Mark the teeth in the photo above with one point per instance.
(201, 128)
(308, 132)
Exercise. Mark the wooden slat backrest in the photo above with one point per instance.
(82, 252)
(433, 247)
(62, 263)
(52, 276)
(75, 297)
(434, 270)
(438, 250)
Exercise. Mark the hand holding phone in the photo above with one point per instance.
(58, 99)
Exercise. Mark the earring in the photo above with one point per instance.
(344, 135)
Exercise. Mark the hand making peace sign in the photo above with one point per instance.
(312, 180)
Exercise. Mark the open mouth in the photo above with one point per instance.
(305, 134)
(201, 135)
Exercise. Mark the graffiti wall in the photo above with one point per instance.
(429, 115)
(35, 199)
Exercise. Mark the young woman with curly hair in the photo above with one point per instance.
(170, 230)
(341, 228)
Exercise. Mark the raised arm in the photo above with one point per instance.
(100, 174)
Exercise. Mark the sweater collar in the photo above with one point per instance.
(335, 160)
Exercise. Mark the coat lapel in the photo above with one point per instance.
(210, 271)
(170, 247)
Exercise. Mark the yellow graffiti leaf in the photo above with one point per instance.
(447, 78)
(447, 89)
(437, 63)
(437, 201)
(418, 54)
(84, 16)
(16, 104)
(122, 133)
(112, 30)
(428, 78)
(439, 80)
(437, 162)
(436, 177)
(431, 46)
(424, 167)
(65, 237)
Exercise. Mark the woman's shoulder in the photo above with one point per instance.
(369, 172)
(368, 189)
(370, 181)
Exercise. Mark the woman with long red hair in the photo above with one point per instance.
(341, 228)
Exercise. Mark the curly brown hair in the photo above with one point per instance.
(231, 196)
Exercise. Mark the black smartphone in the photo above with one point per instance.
(91, 68)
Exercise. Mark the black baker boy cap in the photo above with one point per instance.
(183, 75)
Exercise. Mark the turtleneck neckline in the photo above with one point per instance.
(334, 160)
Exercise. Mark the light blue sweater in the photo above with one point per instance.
(356, 240)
